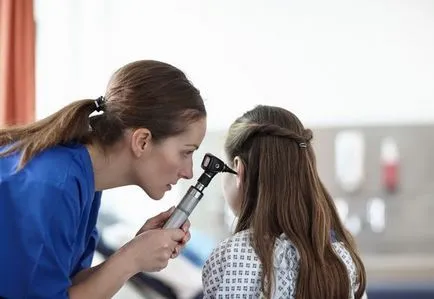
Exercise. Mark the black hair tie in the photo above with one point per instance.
(99, 104)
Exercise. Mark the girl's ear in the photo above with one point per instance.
(239, 168)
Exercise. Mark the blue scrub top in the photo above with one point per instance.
(48, 214)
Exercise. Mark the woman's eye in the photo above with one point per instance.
(188, 153)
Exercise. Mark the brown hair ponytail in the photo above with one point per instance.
(68, 124)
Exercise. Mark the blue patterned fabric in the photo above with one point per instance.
(233, 270)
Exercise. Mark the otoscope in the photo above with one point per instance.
(212, 165)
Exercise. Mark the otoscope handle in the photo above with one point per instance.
(184, 208)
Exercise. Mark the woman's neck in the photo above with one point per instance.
(110, 167)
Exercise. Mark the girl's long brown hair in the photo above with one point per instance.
(284, 194)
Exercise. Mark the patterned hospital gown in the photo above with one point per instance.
(233, 269)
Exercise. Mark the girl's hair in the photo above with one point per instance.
(284, 194)
(142, 94)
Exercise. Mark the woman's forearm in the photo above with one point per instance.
(84, 274)
(104, 280)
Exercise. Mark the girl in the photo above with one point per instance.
(289, 241)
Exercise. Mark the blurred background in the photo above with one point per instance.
(360, 74)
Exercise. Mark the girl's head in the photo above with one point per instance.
(268, 147)
(278, 190)
(150, 110)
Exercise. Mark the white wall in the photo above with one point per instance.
(331, 62)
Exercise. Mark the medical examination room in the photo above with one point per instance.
(348, 84)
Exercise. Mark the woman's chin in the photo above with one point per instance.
(155, 195)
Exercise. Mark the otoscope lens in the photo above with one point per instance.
(206, 161)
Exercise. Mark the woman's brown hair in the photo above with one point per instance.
(284, 194)
(142, 94)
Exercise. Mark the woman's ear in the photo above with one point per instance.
(140, 141)
(239, 168)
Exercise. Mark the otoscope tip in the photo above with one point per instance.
(228, 169)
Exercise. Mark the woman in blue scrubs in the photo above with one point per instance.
(52, 173)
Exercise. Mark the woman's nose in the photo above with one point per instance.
(187, 172)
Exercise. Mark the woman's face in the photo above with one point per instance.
(169, 160)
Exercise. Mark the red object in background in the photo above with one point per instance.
(17, 62)
(390, 177)
(390, 164)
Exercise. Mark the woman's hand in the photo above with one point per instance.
(158, 221)
(151, 250)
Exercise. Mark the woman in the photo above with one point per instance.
(52, 173)
(289, 241)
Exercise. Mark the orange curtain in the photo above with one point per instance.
(17, 62)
